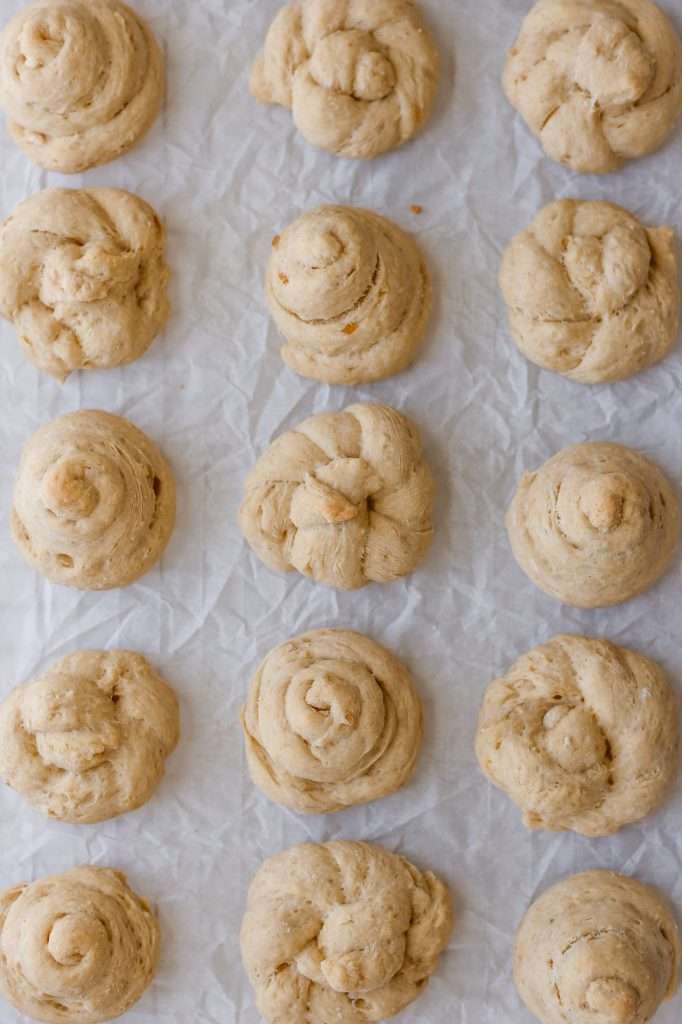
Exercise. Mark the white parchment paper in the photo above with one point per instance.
(226, 174)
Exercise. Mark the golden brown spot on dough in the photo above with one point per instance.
(283, 278)
(350, 328)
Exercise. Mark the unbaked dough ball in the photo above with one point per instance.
(594, 526)
(345, 498)
(332, 720)
(581, 734)
(76, 948)
(592, 293)
(342, 932)
(351, 294)
(599, 82)
(80, 81)
(598, 948)
(83, 278)
(359, 75)
(94, 501)
(87, 740)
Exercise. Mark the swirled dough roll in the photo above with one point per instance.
(359, 75)
(83, 278)
(351, 294)
(80, 81)
(599, 82)
(598, 948)
(345, 498)
(590, 292)
(76, 948)
(594, 526)
(94, 501)
(332, 720)
(341, 932)
(581, 734)
(87, 740)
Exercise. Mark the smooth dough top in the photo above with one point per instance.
(332, 720)
(343, 932)
(359, 75)
(598, 948)
(94, 501)
(88, 739)
(598, 81)
(83, 278)
(77, 948)
(345, 498)
(80, 81)
(591, 293)
(594, 526)
(351, 294)
(581, 734)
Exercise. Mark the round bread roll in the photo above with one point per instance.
(594, 526)
(598, 948)
(76, 948)
(591, 293)
(351, 294)
(599, 82)
(94, 501)
(87, 740)
(80, 81)
(83, 278)
(359, 75)
(581, 734)
(342, 931)
(345, 499)
(332, 720)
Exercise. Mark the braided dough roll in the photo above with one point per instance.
(76, 948)
(94, 501)
(599, 82)
(351, 294)
(345, 498)
(80, 81)
(359, 75)
(598, 948)
(594, 526)
(342, 932)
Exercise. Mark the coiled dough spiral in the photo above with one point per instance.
(594, 526)
(83, 278)
(332, 720)
(581, 734)
(597, 947)
(94, 501)
(80, 81)
(351, 294)
(592, 293)
(599, 82)
(341, 931)
(345, 498)
(359, 75)
(76, 948)
(88, 739)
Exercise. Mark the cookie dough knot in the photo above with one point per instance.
(612, 64)
(73, 726)
(77, 489)
(600, 976)
(335, 494)
(85, 273)
(77, 937)
(602, 501)
(351, 62)
(573, 738)
(608, 271)
(361, 949)
(613, 1000)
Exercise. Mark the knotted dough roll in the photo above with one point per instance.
(87, 740)
(351, 294)
(76, 948)
(83, 278)
(345, 498)
(597, 947)
(594, 526)
(341, 931)
(581, 734)
(592, 293)
(599, 82)
(80, 81)
(359, 75)
(94, 501)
